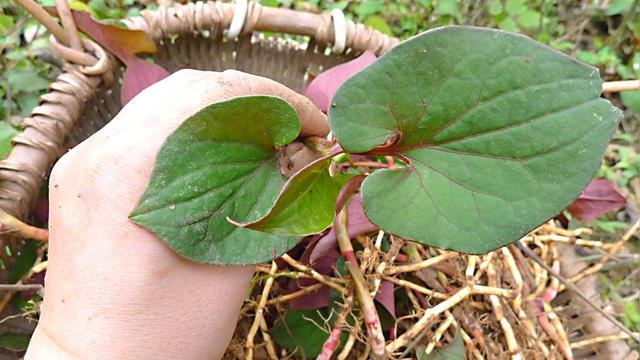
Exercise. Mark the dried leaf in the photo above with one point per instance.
(385, 297)
(597, 199)
(123, 43)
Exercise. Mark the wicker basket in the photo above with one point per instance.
(85, 97)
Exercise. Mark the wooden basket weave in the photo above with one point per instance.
(87, 94)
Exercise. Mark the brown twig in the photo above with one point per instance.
(314, 274)
(39, 13)
(259, 312)
(296, 294)
(19, 287)
(569, 285)
(618, 86)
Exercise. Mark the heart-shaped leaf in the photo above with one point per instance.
(221, 162)
(307, 202)
(500, 133)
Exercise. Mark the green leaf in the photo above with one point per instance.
(221, 162)
(306, 204)
(529, 19)
(6, 23)
(495, 7)
(14, 342)
(299, 330)
(378, 23)
(24, 261)
(507, 24)
(631, 99)
(452, 351)
(369, 7)
(618, 7)
(446, 7)
(481, 116)
(26, 80)
(515, 7)
(7, 132)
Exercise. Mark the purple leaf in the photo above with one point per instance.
(320, 298)
(357, 224)
(385, 297)
(322, 88)
(139, 75)
(41, 210)
(598, 198)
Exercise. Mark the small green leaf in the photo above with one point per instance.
(618, 7)
(447, 7)
(306, 204)
(26, 80)
(369, 7)
(221, 162)
(631, 99)
(14, 342)
(6, 23)
(529, 19)
(24, 261)
(495, 7)
(515, 7)
(299, 331)
(481, 115)
(7, 132)
(378, 23)
(452, 351)
(507, 24)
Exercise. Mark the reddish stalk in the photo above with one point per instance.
(21, 229)
(369, 313)
(373, 164)
(333, 340)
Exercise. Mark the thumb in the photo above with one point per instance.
(313, 122)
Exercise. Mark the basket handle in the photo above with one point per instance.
(66, 43)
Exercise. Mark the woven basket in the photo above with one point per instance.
(85, 97)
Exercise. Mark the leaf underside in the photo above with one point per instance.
(501, 133)
(221, 162)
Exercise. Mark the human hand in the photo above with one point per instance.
(113, 289)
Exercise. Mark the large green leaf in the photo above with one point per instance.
(501, 133)
(220, 163)
(307, 202)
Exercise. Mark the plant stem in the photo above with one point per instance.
(618, 86)
(369, 313)
(22, 229)
(333, 340)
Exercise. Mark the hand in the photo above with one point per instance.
(114, 290)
